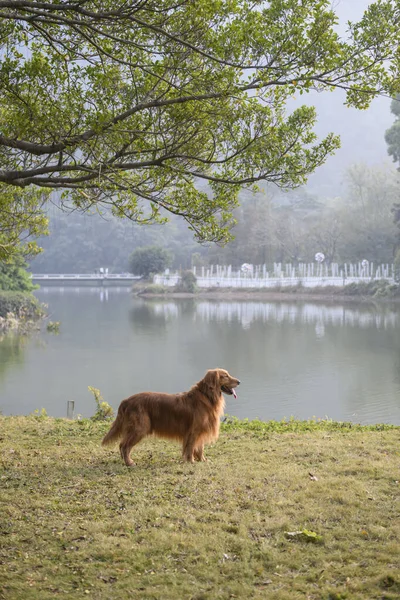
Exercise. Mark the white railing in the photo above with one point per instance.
(77, 276)
(308, 275)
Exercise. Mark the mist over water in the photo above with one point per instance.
(299, 359)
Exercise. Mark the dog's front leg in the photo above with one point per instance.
(199, 453)
(188, 448)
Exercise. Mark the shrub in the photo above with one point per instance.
(14, 277)
(104, 410)
(53, 327)
(187, 283)
(377, 288)
(23, 306)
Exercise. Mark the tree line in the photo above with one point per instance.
(270, 228)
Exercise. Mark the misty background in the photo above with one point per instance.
(343, 211)
(361, 131)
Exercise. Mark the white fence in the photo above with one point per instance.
(78, 276)
(308, 275)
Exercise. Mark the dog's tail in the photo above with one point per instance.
(115, 431)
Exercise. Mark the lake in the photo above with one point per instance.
(301, 359)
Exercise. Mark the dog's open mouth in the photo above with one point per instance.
(229, 391)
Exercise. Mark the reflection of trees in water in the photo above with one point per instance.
(143, 316)
(152, 315)
(373, 384)
(396, 345)
(247, 312)
(187, 306)
(397, 368)
(11, 351)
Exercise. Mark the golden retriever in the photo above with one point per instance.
(192, 417)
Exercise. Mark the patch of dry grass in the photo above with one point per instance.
(76, 523)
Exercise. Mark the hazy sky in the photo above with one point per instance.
(361, 132)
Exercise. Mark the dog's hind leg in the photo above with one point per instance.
(127, 444)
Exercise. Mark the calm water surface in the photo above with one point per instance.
(301, 359)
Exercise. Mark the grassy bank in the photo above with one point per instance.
(281, 511)
(371, 291)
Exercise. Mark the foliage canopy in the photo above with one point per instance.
(14, 277)
(135, 104)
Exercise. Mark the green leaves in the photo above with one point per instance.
(134, 106)
(304, 536)
(392, 135)
(21, 219)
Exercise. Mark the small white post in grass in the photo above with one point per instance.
(70, 409)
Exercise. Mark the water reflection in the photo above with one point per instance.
(11, 352)
(145, 317)
(294, 358)
(247, 312)
(102, 293)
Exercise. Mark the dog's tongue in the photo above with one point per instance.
(234, 393)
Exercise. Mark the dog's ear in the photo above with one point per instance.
(210, 384)
(212, 378)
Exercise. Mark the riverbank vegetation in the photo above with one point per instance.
(373, 290)
(19, 309)
(283, 510)
(14, 277)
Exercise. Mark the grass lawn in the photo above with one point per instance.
(280, 511)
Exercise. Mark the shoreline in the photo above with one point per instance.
(271, 295)
(20, 312)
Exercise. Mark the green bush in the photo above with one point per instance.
(104, 411)
(23, 306)
(187, 283)
(53, 327)
(14, 277)
(377, 288)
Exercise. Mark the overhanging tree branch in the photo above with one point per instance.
(134, 103)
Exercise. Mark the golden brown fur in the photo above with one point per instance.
(192, 417)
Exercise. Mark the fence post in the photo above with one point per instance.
(70, 409)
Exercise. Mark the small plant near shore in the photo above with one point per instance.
(53, 327)
(40, 414)
(104, 411)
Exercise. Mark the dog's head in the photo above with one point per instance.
(219, 381)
